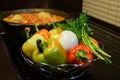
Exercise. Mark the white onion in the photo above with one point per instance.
(68, 39)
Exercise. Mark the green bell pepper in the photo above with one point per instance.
(53, 52)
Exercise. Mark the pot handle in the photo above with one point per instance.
(2, 31)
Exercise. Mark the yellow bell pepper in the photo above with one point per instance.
(55, 32)
(30, 45)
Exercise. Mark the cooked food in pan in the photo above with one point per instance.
(41, 17)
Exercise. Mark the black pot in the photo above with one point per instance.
(16, 30)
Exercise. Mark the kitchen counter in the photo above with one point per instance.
(7, 68)
(12, 67)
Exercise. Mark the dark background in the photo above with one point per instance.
(65, 5)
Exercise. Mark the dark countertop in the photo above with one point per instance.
(102, 71)
(7, 70)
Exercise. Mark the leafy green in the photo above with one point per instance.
(81, 28)
(75, 25)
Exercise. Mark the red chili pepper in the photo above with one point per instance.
(79, 54)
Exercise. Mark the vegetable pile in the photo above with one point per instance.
(67, 43)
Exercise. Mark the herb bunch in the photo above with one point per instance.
(82, 29)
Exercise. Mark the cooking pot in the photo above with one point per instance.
(16, 30)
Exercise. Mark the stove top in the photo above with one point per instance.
(98, 71)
